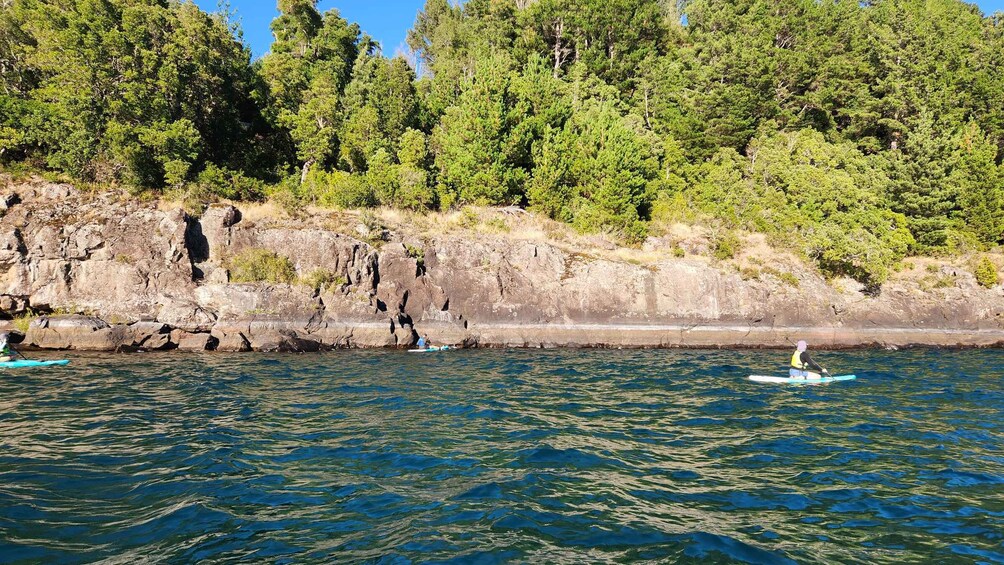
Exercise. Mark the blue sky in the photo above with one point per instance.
(387, 21)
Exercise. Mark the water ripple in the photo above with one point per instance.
(502, 456)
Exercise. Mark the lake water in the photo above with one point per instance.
(503, 456)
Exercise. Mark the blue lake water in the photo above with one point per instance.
(503, 456)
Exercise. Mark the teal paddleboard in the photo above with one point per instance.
(799, 381)
(22, 363)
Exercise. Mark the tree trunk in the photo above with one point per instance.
(306, 170)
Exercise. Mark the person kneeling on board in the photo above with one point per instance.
(6, 352)
(424, 343)
(802, 365)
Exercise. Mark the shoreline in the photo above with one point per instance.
(75, 333)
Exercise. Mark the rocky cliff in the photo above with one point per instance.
(103, 271)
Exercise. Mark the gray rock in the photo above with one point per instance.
(9, 200)
(230, 341)
(126, 261)
(193, 341)
(283, 341)
(71, 332)
(186, 315)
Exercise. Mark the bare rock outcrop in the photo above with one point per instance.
(106, 272)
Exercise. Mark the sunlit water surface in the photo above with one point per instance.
(503, 456)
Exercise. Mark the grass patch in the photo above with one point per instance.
(785, 277)
(23, 321)
(498, 224)
(468, 218)
(261, 265)
(935, 282)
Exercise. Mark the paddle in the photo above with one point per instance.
(21, 355)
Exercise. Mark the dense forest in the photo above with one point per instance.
(853, 132)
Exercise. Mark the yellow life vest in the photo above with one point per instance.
(796, 361)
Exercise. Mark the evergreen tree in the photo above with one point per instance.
(307, 70)
(481, 144)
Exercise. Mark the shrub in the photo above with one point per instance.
(498, 224)
(232, 185)
(261, 265)
(986, 273)
(788, 279)
(678, 252)
(468, 218)
(416, 253)
(323, 279)
(338, 189)
(726, 246)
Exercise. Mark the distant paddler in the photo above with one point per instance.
(6, 351)
(802, 364)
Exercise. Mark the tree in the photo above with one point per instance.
(979, 182)
(920, 189)
(380, 104)
(414, 186)
(481, 145)
(825, 200)
(98, 77)
(307, 71)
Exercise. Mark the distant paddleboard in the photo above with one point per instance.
(29, 363)
(800, 381)
(430, 349)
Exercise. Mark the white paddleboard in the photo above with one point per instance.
(800, 381)
(430, 349)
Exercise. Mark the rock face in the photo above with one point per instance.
(109, 273)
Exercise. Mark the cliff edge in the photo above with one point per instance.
(103, 271)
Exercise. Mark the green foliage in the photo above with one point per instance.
(783, 276)
(324, 280)
(482, 148)
(216, 182)
(10, 138)
(338, 189)
(854, 132)
(416, 253)
(824, 198)
(23, 321)
(726, 245)
(261, 265)
(986, 273)
(138, 93)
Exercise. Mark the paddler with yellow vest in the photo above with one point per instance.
(802, 365)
